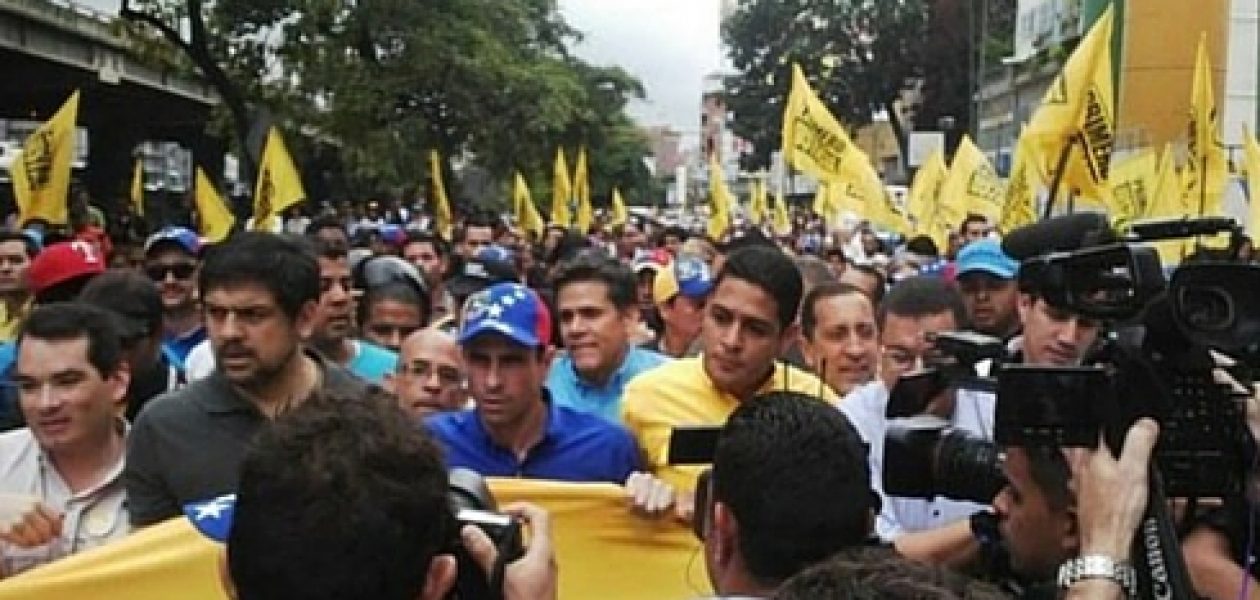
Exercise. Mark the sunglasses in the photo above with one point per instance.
(160, 272)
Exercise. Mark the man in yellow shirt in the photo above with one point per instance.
(748, 322)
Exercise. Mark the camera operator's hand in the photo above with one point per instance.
(1111, 493)
(532, 576)
(31, 523)
(652, 496)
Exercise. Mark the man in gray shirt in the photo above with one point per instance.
(259, 295)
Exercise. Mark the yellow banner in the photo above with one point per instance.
(213, 216)
(1166, 203)
(137, 187)
(443, 220)
(1133, 182)
(527, 217)
(813, 140)
(582, 193)
(1206, 168)
(1079, 109)
(757, 205)
(1251, 151)
(720, 201)
(782, 220)
(924, 201)
(972, 186)
(620, 215)
(1021, 190)
(561, 192)
(871, 199)
(279, 185)
(41, 172)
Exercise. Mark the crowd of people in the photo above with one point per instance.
(324, 380)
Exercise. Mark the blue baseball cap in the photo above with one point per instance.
(508, 309)
(213, 517)
(986, 255)
(183, 237)
(688, 276)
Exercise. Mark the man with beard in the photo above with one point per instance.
(170, 260)
(332, 332)
(261, 295)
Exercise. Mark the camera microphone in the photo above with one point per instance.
(1058, 234)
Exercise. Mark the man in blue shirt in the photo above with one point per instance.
(596, 297)
(516, 430)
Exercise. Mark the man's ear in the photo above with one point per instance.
(1024, 306)
(440, 578)
(121, 379)
(389, 384)
(723, 534)
(305, 319)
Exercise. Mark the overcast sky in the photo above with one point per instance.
(670, 45)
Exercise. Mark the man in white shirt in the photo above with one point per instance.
(61, 477)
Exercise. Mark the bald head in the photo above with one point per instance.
(430, 374)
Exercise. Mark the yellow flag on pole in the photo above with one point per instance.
(1166, 202)
(972, 186)
(527, 217)
(925, 193)
(620, 215)
(1021, 189)
(813, 140)
(782, 220)
(865, 194)
(137, 187)
(443, 219)
(719, 201)
(41, 173)
(1251, 151)
(279, 185)
(582, 193)
(757, 205)
(561, 192)
(213, 216)
(1079, 109)
(1133, 182)
(1206, 165)
(822, 205)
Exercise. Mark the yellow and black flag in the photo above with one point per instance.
(527, 217)
(279, 185)
(137, 187)
(214, 219)
(1206, 168)
(561, 192)
(443, 220)
(582, 193)
(41, 172)
(620, 214)
(813, 140)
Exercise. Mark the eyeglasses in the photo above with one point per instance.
(180, 270)
(448, 375)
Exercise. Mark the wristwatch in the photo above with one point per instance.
(1097, 566)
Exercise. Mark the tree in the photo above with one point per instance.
(860, 55)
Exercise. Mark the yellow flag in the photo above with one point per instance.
(582, 193)
(1021, 190)
(1079, 109)
(561, 192)
(813, 140)
(1206, 169)
(1252, 151)
(1166, 202)
(527, 217)
(212, 212)
(719, 201)
(279, 185)
(782, 220)
(757, 206)
(41, 173)
(1133, 182)
(822, 205)
(620, 215)
(925, 193)
(137, 187)
(443, 220)
(972, 186)
(866, 195)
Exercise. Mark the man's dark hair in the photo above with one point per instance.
(341, 498)
(398, 292)
(325, 222)
(569, 246)
(327, 248)
(284, 266)
(27, 243)
(66, 321)
(814, 271)
(481, 218)
(128, 294)
(881, 281)
(672, 230)
(923, 246)
(878, 573)
(596, 267)
(427, 237)
(809, 313)
(794, 473)
(923, 296)
(969, 219)
(770, 270)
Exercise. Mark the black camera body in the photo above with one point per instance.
(472, 504)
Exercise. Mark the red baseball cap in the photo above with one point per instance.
(62, 262)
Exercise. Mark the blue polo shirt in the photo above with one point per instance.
(574, 447)
(568, 389)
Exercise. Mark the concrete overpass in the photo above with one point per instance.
(48, 49)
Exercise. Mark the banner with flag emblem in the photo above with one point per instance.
(41, 172)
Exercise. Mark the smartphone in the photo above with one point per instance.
(693, 445)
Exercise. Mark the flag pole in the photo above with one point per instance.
(1064, 155)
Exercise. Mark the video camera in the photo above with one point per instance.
(472, 504)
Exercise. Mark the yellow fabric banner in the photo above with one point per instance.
(1251, 151)
(813, 140)
(602, 549)
(1206, 168)
(1133, 182)
(582, 193)
(561, 192)
(757, 205)
(279, 185)
(527, 217)
(782, 220)
(212, 212)
(867, 194)
(137, 187)
(41, 172)
(1167, 203)
(443, 220)
(720, 201)
(1079, 109)
(1021, 189)
(924, 204)
(972, 186)
(620, 215)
